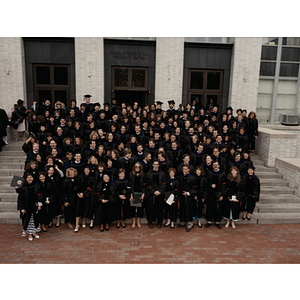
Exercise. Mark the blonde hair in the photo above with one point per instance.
(69, 170)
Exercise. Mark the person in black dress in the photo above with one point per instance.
(4, 123)
(202, 193)
(155, 187)
(29, 207)
(121, 208)
(45, 196)
(104, 202)
(171, 188)
(251, 192)
(252, 131)
(217, 191)
(231, 205)
(137, 180)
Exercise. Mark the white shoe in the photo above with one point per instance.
(36, 236)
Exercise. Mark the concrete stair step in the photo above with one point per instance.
(11, 172)
(257, 162)
(13, 152)
(278, 218)
(10, 218)
(8, 206)
(11, 196)
(5, 179)
(268, 175)
(261, 168)
(266, 182)
(278, 198)
(271, 190)
(278, 208)
(13, 159)
(12, 165)
(6, 188)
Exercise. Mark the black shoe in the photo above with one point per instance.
(218, 226)
(189, 229)
(118, 226)
(101, 229)
(179, 226)
(57, 225)
(124, 226)
(244, 218)
(151, 226)
(207, 225)
(167, 225)
(248, 218)
(91, 227)
(158, 226)
(172, 227)
(200, 226)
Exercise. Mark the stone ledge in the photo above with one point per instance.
(292, 163)
(274, 133)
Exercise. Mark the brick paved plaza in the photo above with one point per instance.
(255, 244)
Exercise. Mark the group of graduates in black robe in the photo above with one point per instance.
(122, 162)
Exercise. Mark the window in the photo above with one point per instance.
(279, 76)
(129, 78)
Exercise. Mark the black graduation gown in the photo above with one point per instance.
(121, 207)
(45, 191)
(214, 206)
(197, 158)
(202, 193)
(85, 203)
(175, 156)
(171, 210)
(233, 188)
(126, 164)
(69, 194)
(56, 184)
(187, 183)
(28, 200)
(104, 211)
(155, 181)
(3, 125)
(138, 185)
(252, 132)
(250, 192)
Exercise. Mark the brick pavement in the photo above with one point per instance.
(258, 244)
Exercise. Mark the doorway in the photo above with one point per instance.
(130, 84)
(205, 86)
(51, 82)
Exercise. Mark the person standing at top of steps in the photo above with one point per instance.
(4, 123)
(251, 191)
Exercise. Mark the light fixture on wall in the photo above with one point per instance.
(8, 72)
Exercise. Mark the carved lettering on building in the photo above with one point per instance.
(135, 55)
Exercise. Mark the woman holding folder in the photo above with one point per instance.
(137, 180)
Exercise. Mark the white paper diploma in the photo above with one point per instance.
(170, 199)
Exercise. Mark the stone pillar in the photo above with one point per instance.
(169, 70)
(244, 77)
(89, 68)
(12, 73)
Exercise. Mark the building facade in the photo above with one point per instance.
(259, 74)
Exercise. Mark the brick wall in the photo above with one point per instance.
(169, 70)
(89, 68)
(244, 75)
(12, 72)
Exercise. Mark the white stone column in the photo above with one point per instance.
(89, 68)
(169, 70)
(12, 73)
(244, 76)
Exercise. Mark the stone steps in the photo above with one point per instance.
(12, 172)
(278, 218)
(8, 206)
(278, 208)
(11, 196)
(12, 165)
(278, 198)
(10, 217)
(273, 182)
(271, 190)
(14, 159)
(268, 175)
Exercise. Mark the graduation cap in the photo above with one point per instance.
(87, 96)
(229, 108)
(102, 111)
(106, 104)
(97, 104)
(159, 102)
(171, 102)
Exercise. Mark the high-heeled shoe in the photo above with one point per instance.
(106, 228)
(167, 225)
(101, 229)
(124, 225)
